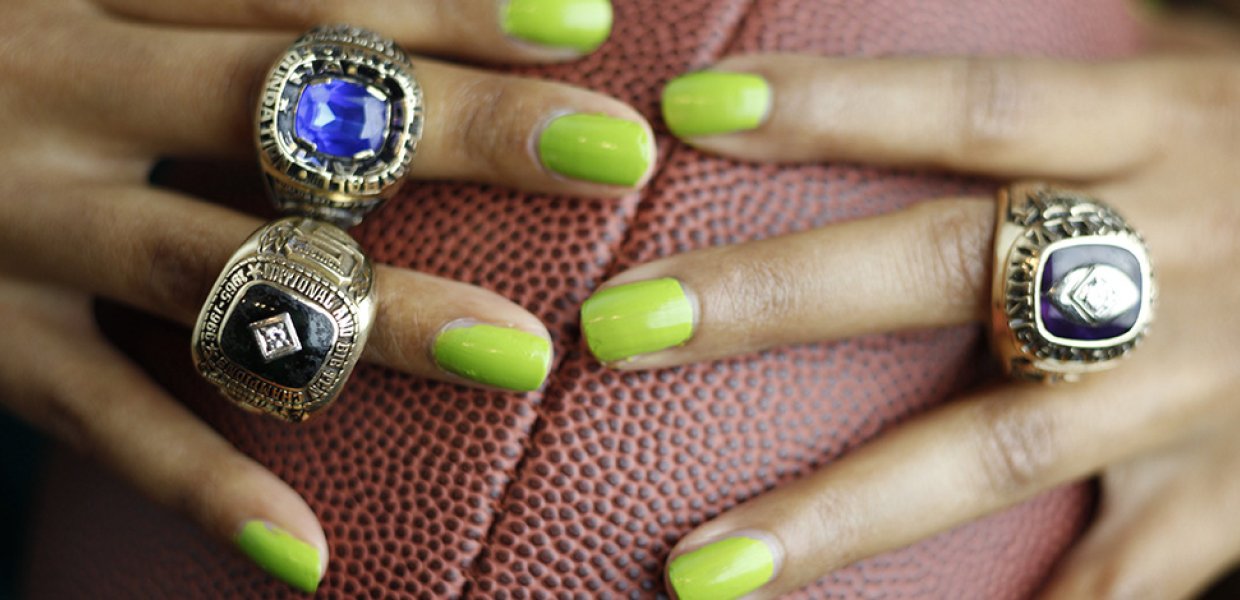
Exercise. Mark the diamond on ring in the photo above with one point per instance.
(276, 337)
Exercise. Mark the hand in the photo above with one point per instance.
(1155, 137)
(96, 90)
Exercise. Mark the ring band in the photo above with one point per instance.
(287, 319)
(1073, 288)
(339, 122)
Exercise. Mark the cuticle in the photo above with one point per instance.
(694, 304)
(459, 323)
(536, 135)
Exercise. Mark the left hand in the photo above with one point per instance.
(96, 91)
(1156, 137)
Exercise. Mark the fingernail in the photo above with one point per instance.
(596, 148)
(713, 102)
(724, 570)
(581, 25)
(283, 556)
(637, 318)
(498, 356)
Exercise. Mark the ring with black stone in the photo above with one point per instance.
(339, 121)
(1073, 288)
(287, 319)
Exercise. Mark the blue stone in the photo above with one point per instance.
(341, 118)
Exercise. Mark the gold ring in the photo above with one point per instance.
(339, 122)
(1073, 288)
(287, 319)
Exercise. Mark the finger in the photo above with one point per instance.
(1007, 117)
(502, 31)
(162, 252)
(955, 465)
(517, 132)
(1168, 527)
(70, 383)
(926, 266)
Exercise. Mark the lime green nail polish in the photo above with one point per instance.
(283, 556)
(637, 318)
(596, 148)
(582, 25)
(713, 102)
(507, 358)
(724, 570)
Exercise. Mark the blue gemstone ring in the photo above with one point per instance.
(339, 122)
(287, 319)
(1073, 287)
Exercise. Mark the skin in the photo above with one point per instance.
(96, 91)
(1157, 138)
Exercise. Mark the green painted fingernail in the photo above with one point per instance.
(283, 556)
(724, 570)
(582, 25)
(713, 102)
(637, 318)
(500, 356)
(596, 148)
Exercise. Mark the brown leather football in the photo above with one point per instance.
(434, 490)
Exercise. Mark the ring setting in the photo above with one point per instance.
(287, 319)
(338, 124)
(1073, 287)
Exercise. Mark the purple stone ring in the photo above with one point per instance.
(1073, 287)
(339, 122)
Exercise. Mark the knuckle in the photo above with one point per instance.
(242, 76)
(66, 422)
(834, 516)
(49, 394)
(955, 256)
(401, 334)
(196, 493)
(990, 103)
(484, 115)
(1017, 448)
(1222, 228)
(455, 20)
(757, 290)
(214, 483)
(1207, 240)
(1207, 100)
(178, 274)
(1216, 87)
(69, 418)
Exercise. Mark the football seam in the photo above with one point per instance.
(473, 571)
